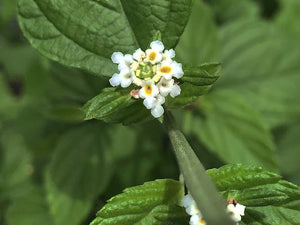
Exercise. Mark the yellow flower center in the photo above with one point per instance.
(165, 69)
(152, 56)
(201, 222)
(148, 89)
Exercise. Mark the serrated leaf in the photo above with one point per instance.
(229, 127)
(93, 30)
(268, 199)
(154, 202)
(197, 80)
(107, 103)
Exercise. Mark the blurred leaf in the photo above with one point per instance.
(268, 199)
(154, 202)
(88, 42)
(30, 209)
(197, 81)
(65, 113)
(256, 65)
(289, 17)
(229, 127)
(232, 10)
(16, 166)
(81, 164)
(8, 9)
(65, 208)
(17, 59)
(289, 151)
(199, 42)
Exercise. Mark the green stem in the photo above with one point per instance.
(197, 181)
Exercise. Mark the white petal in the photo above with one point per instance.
(187, 201)
(170, 53)
(157, 111)
(149, 102)
(167, 76)
(195, 219)
(115, 80)
(128, 59)
(117, 57)
(138, 54)
(126, 83)
(175, 91)
(240, 209)
(157, 46)
(122, 66)
(177, 68)
(165, 86)
(142, 93)
(160, 99)
(155, 90)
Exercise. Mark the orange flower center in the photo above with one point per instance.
(165, 69)
(152, 56)
(148, 89)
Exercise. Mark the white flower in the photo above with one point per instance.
(138, 55)
(152, 72)
(167, 69)
(191, 208)
(190, 205)
(149, 89)
(154, 55)
(176, 90)
(124, 61)
(165, 86)
(236, 211)
(169, 54)
(155, 104)
(124, 78)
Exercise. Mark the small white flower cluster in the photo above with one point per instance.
(235, 209)
(153, 71)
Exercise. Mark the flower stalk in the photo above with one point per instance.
(197, 181)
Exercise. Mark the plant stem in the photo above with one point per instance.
(197, 181)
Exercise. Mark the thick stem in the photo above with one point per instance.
(197, 181)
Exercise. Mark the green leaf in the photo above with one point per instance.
(197, 80)
(116, 106)
(30, 209)
(93, 30)
(268, 199)
(229, 127)
(270, 85)
(199, 41)
(154, 202)
(106, 103)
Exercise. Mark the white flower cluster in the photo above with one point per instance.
(235, 209)
(152, 71)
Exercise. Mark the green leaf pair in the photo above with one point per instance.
(268, 199)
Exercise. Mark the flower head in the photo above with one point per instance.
(235, 209)
(152, 71)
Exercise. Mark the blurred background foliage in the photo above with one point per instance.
(56, 169)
